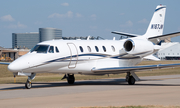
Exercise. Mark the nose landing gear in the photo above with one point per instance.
(28, 83)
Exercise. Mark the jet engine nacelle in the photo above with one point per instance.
(138, 46)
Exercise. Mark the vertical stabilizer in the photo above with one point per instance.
(156, 25)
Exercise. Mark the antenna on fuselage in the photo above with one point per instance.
(88, 37)
(114, 38)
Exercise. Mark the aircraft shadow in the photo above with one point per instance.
(109, 82)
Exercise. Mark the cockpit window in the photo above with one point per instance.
(51, 49)
(40, 48)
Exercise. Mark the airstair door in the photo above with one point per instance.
(74, 55)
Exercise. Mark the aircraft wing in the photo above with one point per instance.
(162, 37)
(124, 34)
(5, 63)
(115, 70)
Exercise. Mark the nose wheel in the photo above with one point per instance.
(28, 84)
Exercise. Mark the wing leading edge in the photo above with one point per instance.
(5, 63)
(133, 68)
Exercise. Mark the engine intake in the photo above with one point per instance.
(129, 45)
(138, 46)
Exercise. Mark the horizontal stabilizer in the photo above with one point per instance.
(125, 34)
(156, 39)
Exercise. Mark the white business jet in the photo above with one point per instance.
(96, 57)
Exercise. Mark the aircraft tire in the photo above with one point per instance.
(71, 79)
(131, 80)
(28, 84)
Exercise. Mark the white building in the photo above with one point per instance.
(172, 52)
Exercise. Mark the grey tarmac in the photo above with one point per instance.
(153, 90)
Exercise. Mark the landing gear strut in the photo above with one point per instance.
(130, 79)
(70, 78)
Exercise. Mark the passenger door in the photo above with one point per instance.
(74, 55)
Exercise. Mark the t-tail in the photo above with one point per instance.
(156, 25)
(154, 31)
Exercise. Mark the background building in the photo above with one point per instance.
(29, 40)
(24, 40)
(7, 54)
(83, 38)
(172, 52)
(49, 34)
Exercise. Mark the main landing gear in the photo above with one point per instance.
(131, 78)
(70, 78)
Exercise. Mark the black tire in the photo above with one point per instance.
(28, 84)
(71, 79)
(131, 80)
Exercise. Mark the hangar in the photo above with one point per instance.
(8, 54)
(172, 52)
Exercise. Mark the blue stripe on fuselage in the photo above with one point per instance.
(97, 55)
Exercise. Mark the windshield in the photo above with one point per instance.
(51, 49)
(40, 48)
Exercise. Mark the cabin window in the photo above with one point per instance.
(51, 49)
(104, 48)
(89, 48)
(40, 48)
(57, 50)
(96, 48)
(80, 47)
(113, 49)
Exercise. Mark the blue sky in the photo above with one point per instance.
(84, 17)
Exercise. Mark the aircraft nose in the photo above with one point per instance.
(17, 66)
(13, 67)
(21, 64)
